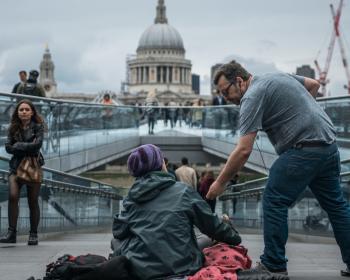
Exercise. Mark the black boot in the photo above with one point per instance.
(33, 238)
(346, 273)
(10, 237)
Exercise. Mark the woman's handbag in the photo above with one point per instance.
(29, 170)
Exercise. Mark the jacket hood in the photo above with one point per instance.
(148, 187)
(32, 81)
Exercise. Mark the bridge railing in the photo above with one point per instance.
(66, 202)
(243, 203)
(77, 126)
(73, 126)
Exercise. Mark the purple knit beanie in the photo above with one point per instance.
(144, 159)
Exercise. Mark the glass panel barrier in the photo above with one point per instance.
(72, 126)
(77, 126)
(66, 202)
(338, 109)
(180, 119)
(242, 202)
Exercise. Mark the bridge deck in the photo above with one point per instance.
(307, 260)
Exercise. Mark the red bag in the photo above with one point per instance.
(222, 261)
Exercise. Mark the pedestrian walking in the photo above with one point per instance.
(107, 114)
(186, 174)
(22, 79)
(31, 86)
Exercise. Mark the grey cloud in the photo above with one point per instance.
(89, 39)
(266, 46)
(253, 65)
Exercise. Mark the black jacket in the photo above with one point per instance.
(15, 88)
(216, 101)
(25, 143)
(156, 227)
(31, 88)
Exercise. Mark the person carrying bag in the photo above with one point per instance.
(25, 138)
(29, 170)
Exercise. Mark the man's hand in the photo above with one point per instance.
(215, 190)
(235, 162)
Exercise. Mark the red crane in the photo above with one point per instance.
(335, 35)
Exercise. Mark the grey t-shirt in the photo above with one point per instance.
(280, 105)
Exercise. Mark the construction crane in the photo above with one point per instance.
(342, 49)
(336, 35)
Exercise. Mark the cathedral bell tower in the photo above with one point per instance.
(47, 78)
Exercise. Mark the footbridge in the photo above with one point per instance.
(76, 212)
(81, 136)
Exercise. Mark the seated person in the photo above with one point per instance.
(156, 226)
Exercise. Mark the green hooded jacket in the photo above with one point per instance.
(156, 227)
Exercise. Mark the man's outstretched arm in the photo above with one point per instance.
(312, 86)
(235, 162)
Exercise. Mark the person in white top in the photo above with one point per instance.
(186, 174)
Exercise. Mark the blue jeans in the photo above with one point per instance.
(293, 171)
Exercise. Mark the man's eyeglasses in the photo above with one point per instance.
(225, 90)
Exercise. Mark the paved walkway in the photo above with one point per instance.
(19, 262)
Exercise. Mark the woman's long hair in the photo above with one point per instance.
(16, 124)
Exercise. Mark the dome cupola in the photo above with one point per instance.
(161, 35)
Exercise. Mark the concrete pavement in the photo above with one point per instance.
(19, 261)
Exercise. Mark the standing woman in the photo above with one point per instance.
(25, 138)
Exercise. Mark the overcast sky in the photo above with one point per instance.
(89, 39)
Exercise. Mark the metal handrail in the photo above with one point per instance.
(228, 194)
(60, 101)
(49, 183)
(70, 175)
(265, 178)
(341, 97)
(328, 98)
(249, 182)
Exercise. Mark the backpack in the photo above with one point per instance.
(29, 89)
(88, 267)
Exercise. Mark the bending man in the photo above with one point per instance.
(284, 106)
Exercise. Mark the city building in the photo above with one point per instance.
(213, 70)
(160, 65)
(47, 74)
(196, 84)
(306, 71)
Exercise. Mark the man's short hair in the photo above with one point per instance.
(184, 161)
(231, 71)
(22, 72)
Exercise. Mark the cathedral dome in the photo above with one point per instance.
(160, 64)
(161, 36)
